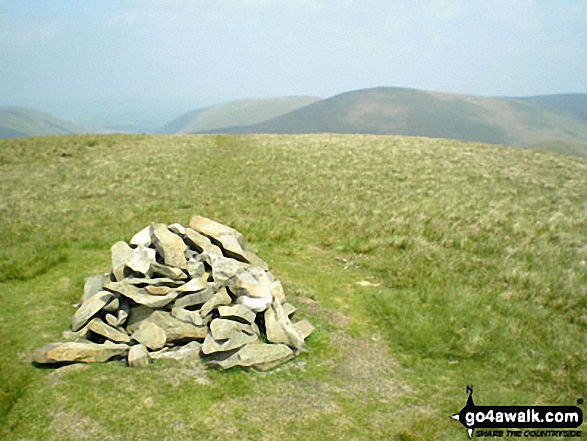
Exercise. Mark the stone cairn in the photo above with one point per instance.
(193, 293)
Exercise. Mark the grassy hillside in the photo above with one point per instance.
(425, 265)
(19, 122)
(574, 104)
(398, 111)
(235, 113)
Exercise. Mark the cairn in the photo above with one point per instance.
(194, 293)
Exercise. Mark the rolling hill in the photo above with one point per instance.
(400, 111)
(235, 113)
(18, 122)
(574, 104)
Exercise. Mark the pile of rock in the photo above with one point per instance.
(183, 293)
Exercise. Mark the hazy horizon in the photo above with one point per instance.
(174, 56)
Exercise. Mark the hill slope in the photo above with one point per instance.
(19, 122)
(399, 111)
(235, 113)
(574, 104)
(424, 264)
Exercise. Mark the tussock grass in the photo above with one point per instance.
(475, 257)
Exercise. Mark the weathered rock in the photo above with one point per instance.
(138, 356)
(192, 317)
(254, 304)
(304, 328)
(177, 229)
(288, 309)
(195, 285)
(72, 352)
(236, 340)
(230, 240)
(259, 356)
(175, 329)
(222, 329)
(195, 269)
(277, 290)
(140, 296)
(169, 246)
(143, 237)
(197, 241)
(141, 259)
(93, 286)
(224, 269)
(221, 298)
(121, 253)
(89, 308)
(97, 326)
(150, 335)
(237, 311)
(112, 305)
(165, 271)
(194, 299)
(111, 319)
(296, 341)
(188, 352)
(252, 282)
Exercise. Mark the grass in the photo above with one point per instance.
(475, 257)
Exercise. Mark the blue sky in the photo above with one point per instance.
(218, 50)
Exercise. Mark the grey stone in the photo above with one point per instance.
(259, 356)
(156, 290)
(277, 290)
(143, 237)
(188, 352)
(195, 285)
(138, 356)
(121, 253)
(174, 329)
(237, 311)
(230, 240)
(169, 246)
(192, 317)
(254, 304)
(221, 298)
(141, 259)
(304, 328)
(252, 282)
(78, 352)
(177, 229)
(97, 326)
(197, 241)
(89, 308)
(113, 305)
(93, 285)
(236, 340)
(140, 296)
(150, 335)
(112, 319)
(158, 269)
(222, 329)
(195, 269)
(296, 341)
(224, 269)
(194, 299)
(288, 309)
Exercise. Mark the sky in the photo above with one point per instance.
(200, 52)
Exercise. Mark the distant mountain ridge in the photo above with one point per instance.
(412, 112)
(20, 121)
(236, 113)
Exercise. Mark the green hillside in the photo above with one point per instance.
(19, 122)
(425, 265)
(235, 113)
(398, 111)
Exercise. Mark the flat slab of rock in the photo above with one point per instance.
(222, 329)
(221, 298)
(93, 285)
(89, 308)
(139, 295)
(150, 335)
(72, 352)
(237, 340)
(175, 330)
(230, 240)
(194, 299)
(97, 326)
(189, 352)
(237, 311)
(138, 356)
(157, 269)
(169, 245)
(259, 356)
